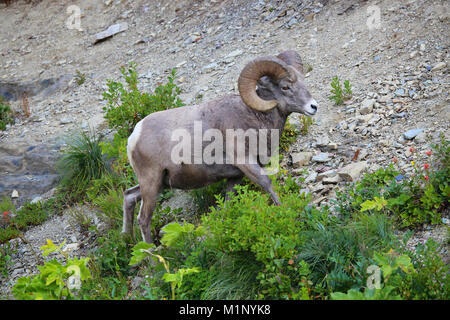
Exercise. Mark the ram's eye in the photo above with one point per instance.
(285, 88)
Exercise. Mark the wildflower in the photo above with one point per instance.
(395, 160)
(291, 262)
(413, 162)
(428, 153)
(5, 213)
(411, 149)
(426, 166)
(427, 178)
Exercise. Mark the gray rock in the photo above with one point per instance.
(326, 175)
(210, 67)
(321, 157)
(367, 106)
(439, 66)
(112, 30)
(65, 120)
(300, 159)
(352, 171)
(311, 177)
(331, 180)
(411, 134)
(234, 53)
(420, 138)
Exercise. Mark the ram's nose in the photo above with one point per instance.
(311, 107)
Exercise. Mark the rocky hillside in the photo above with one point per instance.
(398, 67)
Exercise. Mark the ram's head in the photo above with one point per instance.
(269, 82)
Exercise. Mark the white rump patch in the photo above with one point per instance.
(132, 141)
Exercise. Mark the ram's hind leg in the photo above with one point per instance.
(130, 198)
(151, 187)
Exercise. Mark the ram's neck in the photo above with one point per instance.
(274, 116)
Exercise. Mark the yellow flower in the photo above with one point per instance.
(413, 162)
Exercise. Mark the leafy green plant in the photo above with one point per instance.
(288, 137)
(246, 223)
(5, 257)
(6, 114)
(126, 105)
(339, 254)
(417, 274)
(80, 77)
(339, 94)
(430, 279)
(306, 122)
(411, 201)
(109, 267)
(13, 221)
(143, 250)
(55, 280)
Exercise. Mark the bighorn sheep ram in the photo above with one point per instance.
(270, 89)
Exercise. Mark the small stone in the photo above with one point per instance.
(411, 134)
(420, 138)
(400, 92)
(36, 199)
(352, 171)
(413, 54)
(332, 180)
(234, 53)
(70, 247)
(321, 157)
(65, 120)
(367, 106)
(322, 141)
(15, 194)
(112, 30)
(326, 175)
(439, 66)
(311, 177)
(182, 63)
(210, 67)
(300, 159)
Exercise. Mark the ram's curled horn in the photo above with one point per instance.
(292, 58)
(255, 70)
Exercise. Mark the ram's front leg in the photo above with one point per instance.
(255, 173)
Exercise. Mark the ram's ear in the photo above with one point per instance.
(292, 58)
(265, 82)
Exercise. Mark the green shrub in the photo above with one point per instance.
(5, 257)
(247, 224)
(413, 275)
(340, 94)
(126, 105)
(31, 214)
(430, 279)
(111, 207)
(411, 201)
(339, 254)
(306, 122)
(6, 114)
(288, 137)
(80, 77)
(13, 222)
(81, 163)
(55, 281)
